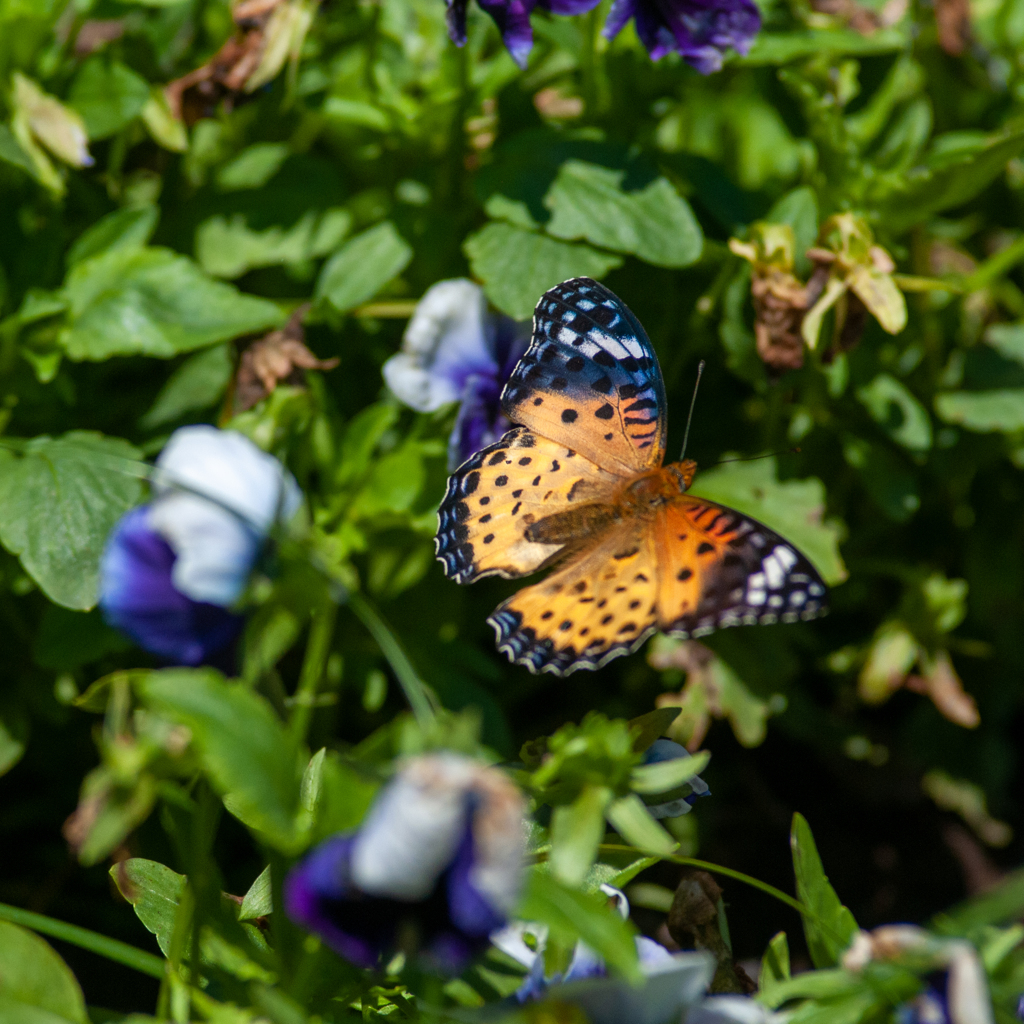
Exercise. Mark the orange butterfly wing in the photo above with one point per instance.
(497, 494)
(718, 568)
(601, 604)
(590, 379)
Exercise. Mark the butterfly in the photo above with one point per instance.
(579, 484)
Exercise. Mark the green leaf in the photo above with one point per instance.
(154, 302)
(631, 819)
(576, 832)
(130, 228)
(108, 96)
(655, 223)
(666, 775)
(813, 985)
(13, 738)
(783, 47)
(798, 209)
(1007, 340)
(621, 878)
(651, 726)
(831, 927)
(898, 412)
(775, 962)
(338, 797)
(362, 266)
(197, 384)
(229, 247)
(154, 892)
(36, 986)
(58, 502)
(518, 266)
(793, 508)
(120, 805)
(362, 436)
(983, 411)
(393, 485)
(165, 129)
(253, 167)
(250, 757)
(259, 900)
(573, 915)
(953, 175)
(12, 153)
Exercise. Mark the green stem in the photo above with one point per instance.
(994, 267)
(782, 897)
(318, 647)
(719, 870)
(416, 692)
(112, 949)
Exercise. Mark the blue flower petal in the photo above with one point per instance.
(138, 597)
(701, 31)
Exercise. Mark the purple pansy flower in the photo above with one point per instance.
(172, 569)
(672, 805)
(513, 20)
(672, 982)
(456, 350)
(437, 865)
(701, 31)
(956, 989)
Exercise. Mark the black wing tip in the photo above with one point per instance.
(690, 628)
(522, 647)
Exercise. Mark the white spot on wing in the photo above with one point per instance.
(773, 570)
(787, 556)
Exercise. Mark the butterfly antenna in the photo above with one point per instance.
(765, 455)
(693, 402)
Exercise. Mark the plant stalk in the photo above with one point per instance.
(113, 949)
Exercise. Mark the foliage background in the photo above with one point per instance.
(382, 160)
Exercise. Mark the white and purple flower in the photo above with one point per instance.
(456, 350)
(956, 990)
(672, 981)
(701, 31)
(437, 866)
(513, 20)
(172, 569)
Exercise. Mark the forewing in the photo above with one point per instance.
(599, 605)
(494, 496)
(590, 379)
(718, 568)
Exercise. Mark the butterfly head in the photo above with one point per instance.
(657, 486)
(681, 473)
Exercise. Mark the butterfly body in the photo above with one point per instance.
(579, 486)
